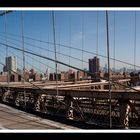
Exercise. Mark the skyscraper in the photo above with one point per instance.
(10, 64)
(47, 73)
(94, 65)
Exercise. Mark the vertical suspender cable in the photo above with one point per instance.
(82, 38)
(58, 49)
(108, 69)
(114, 41)
(135, 45)
(48, 62)
(69, 40)
(96, 42)
(39, 52)
(7, 65)
(55, 54)
(48, 78)
(23, 58)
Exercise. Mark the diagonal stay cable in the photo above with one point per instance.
(3, 44)
(27, 81)
(66, 46)
(32, 57)
(19, 64)
(37, 86)
(45, 49)
(52, 51)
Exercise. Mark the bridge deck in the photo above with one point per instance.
(72, 90)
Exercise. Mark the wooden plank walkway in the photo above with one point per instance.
(13, 119)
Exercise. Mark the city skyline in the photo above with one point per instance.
(76, 29)
(93, 65)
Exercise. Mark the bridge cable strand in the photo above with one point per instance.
(114, 40)
(7, 65)
(135, 33)
(65, 64)
(31, 50)
(50, 51)
(82, 37)
(28, 81)
(53, 51)
(58, 52)
(107, 31)
(53, 20)
(96, 43)
(22, 18)
(62, 45)
(40, 53)
(19, 64)
(69, 40)
(42, 90)
(35, 59)
(36, 86)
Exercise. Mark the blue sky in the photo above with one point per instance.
(77, 28)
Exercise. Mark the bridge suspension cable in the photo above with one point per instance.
(45, 49)
(97, 44)
(43, 91)
(23, 57)
(48, 50)
(30, 56)
(20, 58)
(65, 64)
(51, 43)
(135, 33)
(114, 39)
(82, 37)
(107, 30)
(53, 20)
(7, 65)
(69, 40)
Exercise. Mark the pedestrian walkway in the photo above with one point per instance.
(13, 119)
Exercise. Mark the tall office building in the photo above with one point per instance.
(47, 73)
(10, 64)
(94, 65)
